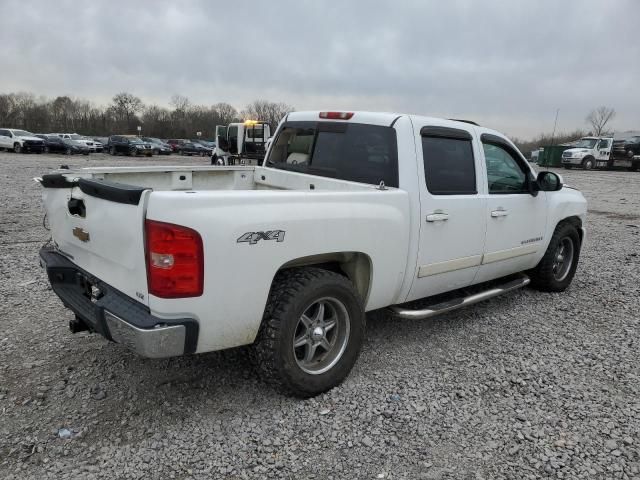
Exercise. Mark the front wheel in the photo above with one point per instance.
(587, 164)
(312, 331)
(68, 151)
(557, 268)
(47, 150)
(17, 148)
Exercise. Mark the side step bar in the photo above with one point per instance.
(454, 304)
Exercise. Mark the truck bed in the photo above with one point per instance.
(207, 178)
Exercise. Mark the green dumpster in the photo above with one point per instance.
(551, 155)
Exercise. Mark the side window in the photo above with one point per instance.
(449, 167)
(603, 144)
(4, 133)
(505, 175)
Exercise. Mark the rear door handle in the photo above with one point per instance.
(437, 217)
(500, 212)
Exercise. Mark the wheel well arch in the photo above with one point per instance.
(356, 266)
(576, 222)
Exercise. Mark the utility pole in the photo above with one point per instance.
(555, 124)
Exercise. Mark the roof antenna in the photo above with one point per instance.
(382, 186)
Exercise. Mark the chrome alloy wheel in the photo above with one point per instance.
(562, 259)
(321, 335)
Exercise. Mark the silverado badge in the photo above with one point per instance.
(80, 234)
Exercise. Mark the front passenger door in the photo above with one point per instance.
(516, 219)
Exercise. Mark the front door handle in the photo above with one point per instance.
(500, 212)
(437, 217)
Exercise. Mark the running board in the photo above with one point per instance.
(454, 304)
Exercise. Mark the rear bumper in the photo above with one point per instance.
(114, 315)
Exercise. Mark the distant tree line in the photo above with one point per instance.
(125, 113)
(183, 119)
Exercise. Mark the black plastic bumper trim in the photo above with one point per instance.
(73, 285)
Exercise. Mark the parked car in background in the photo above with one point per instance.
(20, 141)
(175, 143)
(205, 143)
(192, 148)
(158, 146)
(98, 146)
(79, 138)
(129, 145)
(628, 147)
(102, 141)
(56, 144)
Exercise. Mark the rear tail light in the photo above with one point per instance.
(175, 260)
(336, 115)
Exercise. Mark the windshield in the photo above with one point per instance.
(349, 151)
(75, 136)
(22, 133)
(586, 143)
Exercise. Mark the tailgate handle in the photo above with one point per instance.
(76, 207)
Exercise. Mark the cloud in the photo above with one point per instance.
(508, 65)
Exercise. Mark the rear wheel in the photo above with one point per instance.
(17, 148)
(312, 331)
(68, 151)
(555, 271)
(47, 150)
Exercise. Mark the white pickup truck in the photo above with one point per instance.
(350, 212)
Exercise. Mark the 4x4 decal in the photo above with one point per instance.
(254, 237)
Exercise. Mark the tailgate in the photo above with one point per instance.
(99, 226)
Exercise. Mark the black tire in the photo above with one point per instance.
(292, 293)
(214, 159)
(68, 151)
(17, 148)
(47, 150)
(546, 276)
(588, 163)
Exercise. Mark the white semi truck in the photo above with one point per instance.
(598, 152)
(241, 143)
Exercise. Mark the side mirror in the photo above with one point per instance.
(549, 182)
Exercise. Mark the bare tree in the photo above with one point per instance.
(180, 103)
(225, 113)
(599, 118)
(270, 112)
(125, 106)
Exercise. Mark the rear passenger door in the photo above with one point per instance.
(516, 220)
(453, 222)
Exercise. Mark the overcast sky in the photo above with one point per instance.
(507, 64)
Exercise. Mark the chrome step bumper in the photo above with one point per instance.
(454, 304)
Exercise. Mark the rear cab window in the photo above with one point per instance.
(349, 151)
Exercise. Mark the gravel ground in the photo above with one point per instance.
(530, 385)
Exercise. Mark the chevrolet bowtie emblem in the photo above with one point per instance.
(81, 234)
